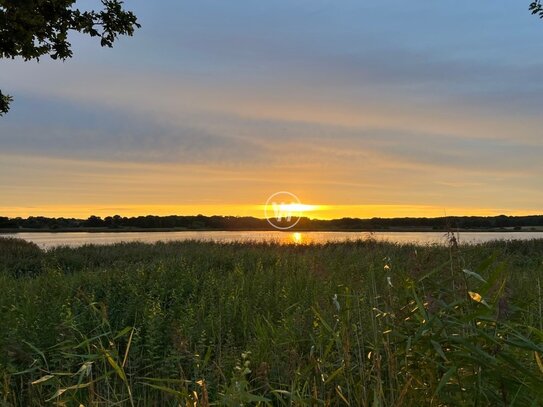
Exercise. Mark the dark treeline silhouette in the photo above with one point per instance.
(201, 222)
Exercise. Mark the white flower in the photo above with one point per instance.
(389, 280)
(336, 302)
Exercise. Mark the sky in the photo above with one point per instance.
(360, 108)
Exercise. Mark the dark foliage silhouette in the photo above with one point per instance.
(31, 29)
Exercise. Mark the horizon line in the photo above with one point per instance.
(264, 219)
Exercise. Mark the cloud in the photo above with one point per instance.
(352, 102)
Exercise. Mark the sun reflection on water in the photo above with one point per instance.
(297, 238)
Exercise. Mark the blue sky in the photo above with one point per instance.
(373, 108)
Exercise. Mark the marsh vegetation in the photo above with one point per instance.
(190, 323)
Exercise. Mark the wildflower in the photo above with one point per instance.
(477, 298)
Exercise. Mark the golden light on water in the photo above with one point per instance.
(297, 238)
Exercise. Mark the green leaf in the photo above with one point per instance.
(39, 352)
(420, 306)
(445, 379)
(118, 369)
(123, 332)
(439, 350)
(166, 389)
(474, 275)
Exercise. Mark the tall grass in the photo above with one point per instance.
(360, 324)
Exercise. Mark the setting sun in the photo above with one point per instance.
(296, 208)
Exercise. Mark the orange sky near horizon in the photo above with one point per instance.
(256, 210)
(375, 187)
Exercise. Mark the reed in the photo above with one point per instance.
(362, 323)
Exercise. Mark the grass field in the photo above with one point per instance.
(197, 324)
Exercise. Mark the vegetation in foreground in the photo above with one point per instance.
(360, 324)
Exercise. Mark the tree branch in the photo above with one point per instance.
(4, 103)
(537, 8)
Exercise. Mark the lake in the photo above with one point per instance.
(47, 240)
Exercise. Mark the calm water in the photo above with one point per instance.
(47, 240)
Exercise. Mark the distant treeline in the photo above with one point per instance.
(201, 222)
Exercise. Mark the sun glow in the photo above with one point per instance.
(297, 238)
(255, 210)
(297, 207)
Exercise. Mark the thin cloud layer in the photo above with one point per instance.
(344, 103)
